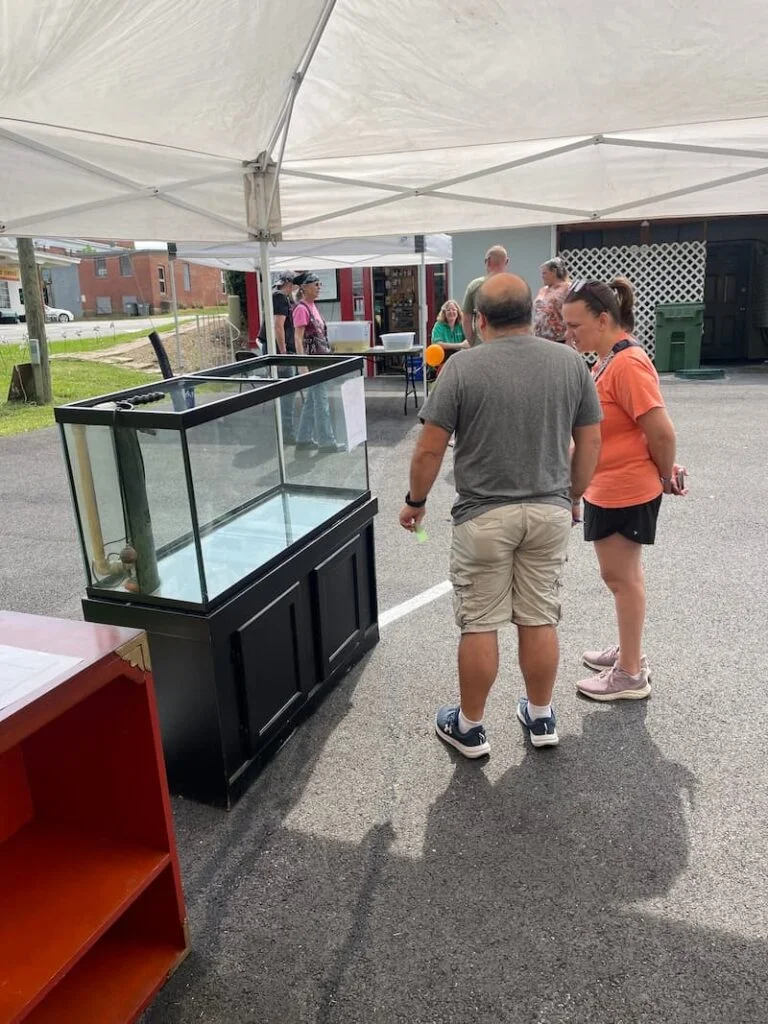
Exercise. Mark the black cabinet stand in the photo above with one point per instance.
(233, 683)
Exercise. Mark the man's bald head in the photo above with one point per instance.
(504, 302)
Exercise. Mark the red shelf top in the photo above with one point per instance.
(92, 644)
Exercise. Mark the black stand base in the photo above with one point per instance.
(232, 684)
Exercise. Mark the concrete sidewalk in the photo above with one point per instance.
(371, 875)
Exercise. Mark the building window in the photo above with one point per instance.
(103, 304)
(101, 267)
(187, 278)
(126, 270)
(5, 295)
(161, 279)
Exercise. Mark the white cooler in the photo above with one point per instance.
(349, 336)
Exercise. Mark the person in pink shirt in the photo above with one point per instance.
(315, 430)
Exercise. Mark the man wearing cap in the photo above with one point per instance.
(282, 309)
(285, 339)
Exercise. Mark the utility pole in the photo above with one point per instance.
(35, 314)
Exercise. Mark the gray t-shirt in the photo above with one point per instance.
(513, 404)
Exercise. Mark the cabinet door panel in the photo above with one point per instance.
(341, 606)
(274, 657)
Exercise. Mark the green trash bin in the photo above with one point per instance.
(678, 336)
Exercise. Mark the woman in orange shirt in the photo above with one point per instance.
(636, 466)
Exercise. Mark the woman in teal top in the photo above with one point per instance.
(448, 332)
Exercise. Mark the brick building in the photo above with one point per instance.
(125, 285)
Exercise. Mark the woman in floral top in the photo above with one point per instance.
(548, 308)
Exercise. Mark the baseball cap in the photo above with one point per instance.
(307, 278)
(285, 277)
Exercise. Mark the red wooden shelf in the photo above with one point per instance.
(117, 978)
(91, 908)
(68, 887)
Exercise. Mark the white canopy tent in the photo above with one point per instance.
(394, 251)
(228, 120)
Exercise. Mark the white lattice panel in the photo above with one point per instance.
(665, 273)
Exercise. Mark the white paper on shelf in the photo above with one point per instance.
(353, 401)
(23, 671)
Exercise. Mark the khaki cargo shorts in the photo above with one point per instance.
(506, 566)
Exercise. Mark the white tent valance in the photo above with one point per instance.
(395, 251)
(170, 119)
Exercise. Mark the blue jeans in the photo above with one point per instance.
(315, 420)
(288, 405)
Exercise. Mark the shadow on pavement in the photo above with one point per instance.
(518, 910)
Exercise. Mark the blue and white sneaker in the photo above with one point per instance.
(543, 731)
(471, 743)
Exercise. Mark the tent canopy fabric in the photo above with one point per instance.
(161, 119)
(395, 251)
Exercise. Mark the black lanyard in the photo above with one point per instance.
(620, 346)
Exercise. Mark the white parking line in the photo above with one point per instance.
(425, 597)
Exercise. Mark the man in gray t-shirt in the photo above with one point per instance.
(514, 403)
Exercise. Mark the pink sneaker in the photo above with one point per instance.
(616, 684)
(599, 660)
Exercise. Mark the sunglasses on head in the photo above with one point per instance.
(584, 284)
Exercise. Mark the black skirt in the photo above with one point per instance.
(635, 522)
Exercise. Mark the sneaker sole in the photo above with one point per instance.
(550, 740)
(470, 752)
(639, 694)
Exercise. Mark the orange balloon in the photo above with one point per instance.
(435, 355)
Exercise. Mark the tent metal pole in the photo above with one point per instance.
(460, 197)
(502, 203)
(130, 197)
(266, 297)
(423, 324)
(508, 165)
(702, 187)
(287, 124)
(175, 306)
(114, 177)
(687, 147)
(269, 330)
(298, 76)
(67, 158)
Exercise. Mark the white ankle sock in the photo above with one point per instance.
(539, 711)
(465, 724)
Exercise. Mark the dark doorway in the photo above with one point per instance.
(726, 298)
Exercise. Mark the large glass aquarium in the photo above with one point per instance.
(186, 488)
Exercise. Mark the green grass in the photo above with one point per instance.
(72, 380)
(19, 353)
(205, 311)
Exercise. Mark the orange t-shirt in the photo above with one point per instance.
(626, 474)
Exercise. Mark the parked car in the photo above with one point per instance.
(52, 314)
(62, 315)
(7, 316)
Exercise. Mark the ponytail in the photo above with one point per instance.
(625, 297)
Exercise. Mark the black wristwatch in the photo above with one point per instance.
(414, 504)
